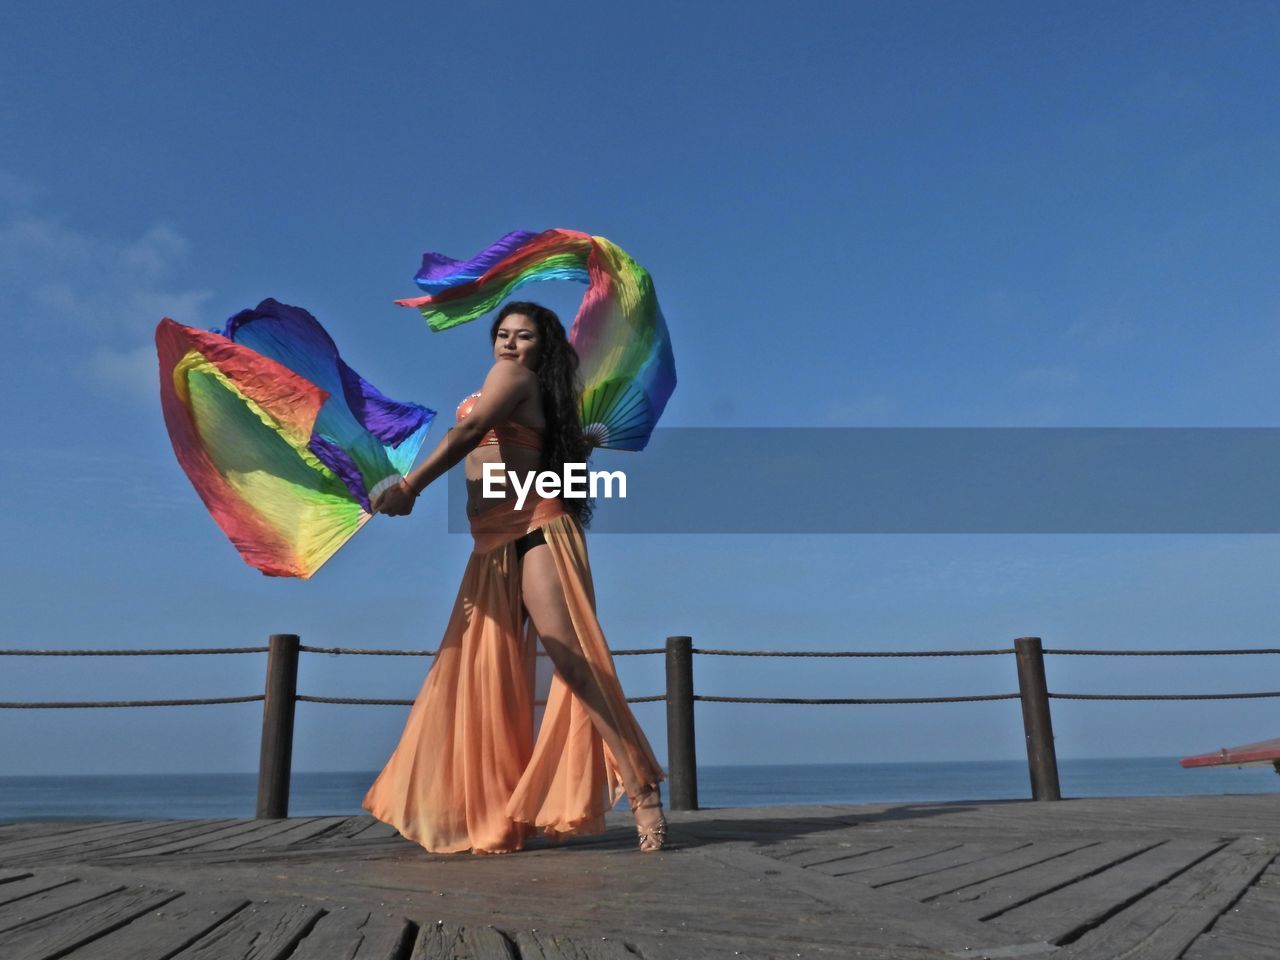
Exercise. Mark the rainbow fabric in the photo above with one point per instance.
(284, 443)
(628, 371)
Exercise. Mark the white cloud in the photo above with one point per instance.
(52, 273)
(129, 372)
(95, 297)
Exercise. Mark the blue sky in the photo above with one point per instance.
(856, 215)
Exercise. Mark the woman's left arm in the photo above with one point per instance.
(504, 387)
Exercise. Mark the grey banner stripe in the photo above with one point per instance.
(942, 480)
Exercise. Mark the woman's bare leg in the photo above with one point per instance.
(544, 599)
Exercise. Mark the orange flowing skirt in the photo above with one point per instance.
(468, 773)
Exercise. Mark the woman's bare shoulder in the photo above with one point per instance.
(509, 375)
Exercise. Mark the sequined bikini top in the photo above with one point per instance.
(510, 434)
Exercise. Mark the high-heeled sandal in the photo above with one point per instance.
(654, 836)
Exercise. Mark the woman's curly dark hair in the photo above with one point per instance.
(558, 381)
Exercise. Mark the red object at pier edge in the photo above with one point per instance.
(1251, 754)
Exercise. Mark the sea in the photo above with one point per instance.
(219, 795)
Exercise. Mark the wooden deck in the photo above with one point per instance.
(1103, 879)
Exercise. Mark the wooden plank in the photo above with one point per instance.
(378, 831)
(233, 829)
(1223, 947)
(41, 905)
(714, 832)
(357, 934)
(197, 833)
(777, 932)
(113, 842)
(137, 842)
(778, 828)
(266, 829)
(42, 828)
(262, 931)
(447, 941)
(1061, 915)
(938, 884)
(1271, 877)
(902, 921)
(783, 852)
(694, 947)
(378, 828)
(844, 851)
(33, 884)
(370, 834)
(351, 828)
(8, 875)
(35, 828)
(1263, 928)
(926, 866)
(574, 897)
(164, 931)
(187, 862)
(193, 859)
(894, 856)
(1169, 920)
(710, 911)
(990, 897)
(21, 849)
(1261, 898)
(539, 945)
(698, 945)
(58, 934)
(300, 833)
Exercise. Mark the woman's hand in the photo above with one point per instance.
(395, 501)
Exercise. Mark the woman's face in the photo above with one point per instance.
(517, 340)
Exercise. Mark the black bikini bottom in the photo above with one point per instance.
(528, 542)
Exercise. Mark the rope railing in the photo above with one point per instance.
(281, 697)
(364, 652)
(1165, 653)
(651, 651)
(156, 652)
(641, 651)
(849, 653)
(655, 698)
(1164, 696)
(77, 704)
(859, 701)
(380, 702)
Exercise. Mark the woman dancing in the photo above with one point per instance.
(467, 774)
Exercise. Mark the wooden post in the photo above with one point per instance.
(1042, 758)
(682, 783)
(276, 758)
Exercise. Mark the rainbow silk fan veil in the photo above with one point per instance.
(627, 368)
(285, 443)
(288, 446)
